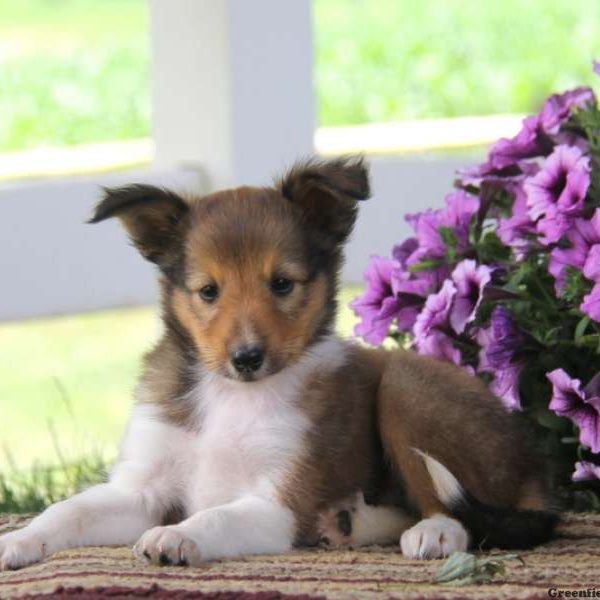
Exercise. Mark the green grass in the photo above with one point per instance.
(66, 383)
(77, 71)
(73, 71)
(380, 60)
(31, 490)
(69, 378)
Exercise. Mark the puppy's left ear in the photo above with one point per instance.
(152, 217)
(327, 192)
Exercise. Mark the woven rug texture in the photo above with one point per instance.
(571, 562)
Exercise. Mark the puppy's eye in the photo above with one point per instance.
(209, 293)
(281, 286)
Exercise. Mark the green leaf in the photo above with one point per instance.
(581, 327)
(576, 285)
(591, 340)
(490, 249)
(587, 120)
(457, 566)
(448, 236)
(464, 568)
(424, 265)
(549, 420)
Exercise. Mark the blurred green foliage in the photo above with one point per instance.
(31, 490)
(382, 60)
(66, 383)
(77, 71)
(73, 71)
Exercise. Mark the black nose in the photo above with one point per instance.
(248, 358)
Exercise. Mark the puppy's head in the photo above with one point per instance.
(249, 274)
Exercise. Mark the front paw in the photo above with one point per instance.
(19, 549)
(435, 537)
(168, 546)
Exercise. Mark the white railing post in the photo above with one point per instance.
(232, 87)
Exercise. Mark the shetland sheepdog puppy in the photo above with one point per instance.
(256, 429)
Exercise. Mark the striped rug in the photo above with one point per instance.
(571, 562)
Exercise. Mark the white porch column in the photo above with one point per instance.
(232, 86)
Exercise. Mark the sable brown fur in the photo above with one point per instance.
(312, 184)
(343, 453)
(368, 416)
(166, 380)
(440, 410)
(414, 402)
(153, 217)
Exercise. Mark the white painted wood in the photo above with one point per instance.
(52, 263)
(419, 135)
(232, 86)
(400, 186)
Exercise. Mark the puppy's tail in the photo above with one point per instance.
(490, 526)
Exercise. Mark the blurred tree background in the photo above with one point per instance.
(77, 71)
(384, 60)
(73, 72)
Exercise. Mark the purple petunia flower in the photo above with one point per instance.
(392, 294)
(483, 337)
(571, 401)
(435, 312)
(461, 207)
(526, 144)
(515, 231)
(378, 306)
(534, 138)
(477, 175)
(500, 345)
(591, 303)
(591, 267)
(596, 67)
(470, 281)
(582, 236)
(573, 139)
(562, 181)
(586, 471)
(430, 339)
(401, 252)
(558, 108)
(439, 345)
(506, 339)
(426, 226)
(411, 291)
(506, 386)
(556, 194)
(457, 216)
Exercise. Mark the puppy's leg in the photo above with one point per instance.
(464, 461)
(103, 514)
(141, 489)
(352, 522)
(431, 487)
(437, 534)
(250, 525)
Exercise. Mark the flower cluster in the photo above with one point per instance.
(504, 280)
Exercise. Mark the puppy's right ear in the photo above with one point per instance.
(327, 192)
(152, 217)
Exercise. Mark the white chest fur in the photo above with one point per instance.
(250, 436)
